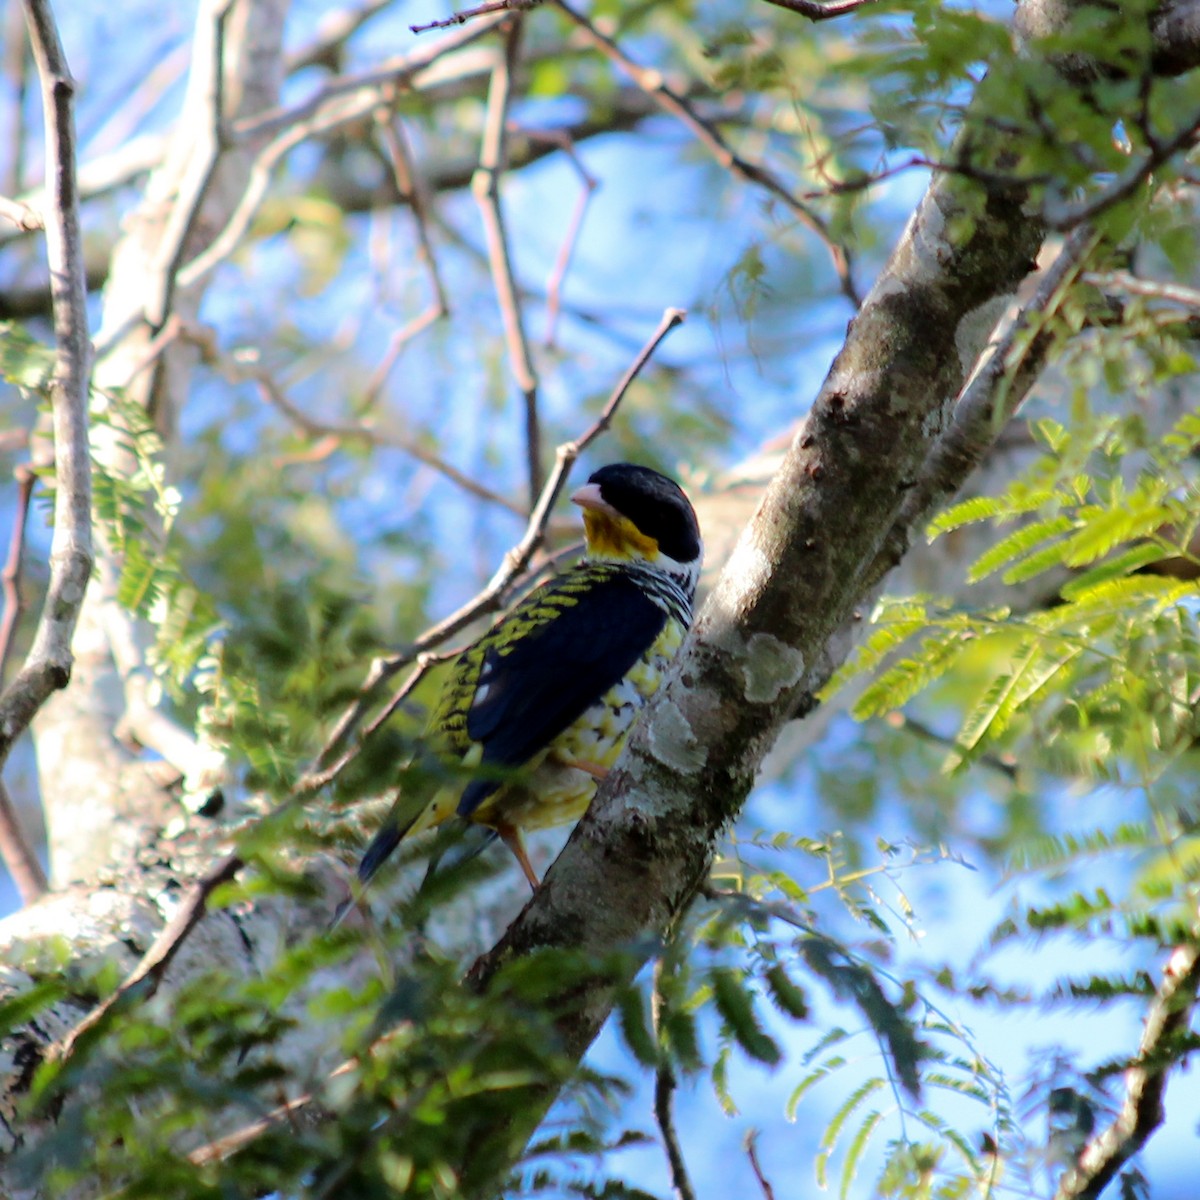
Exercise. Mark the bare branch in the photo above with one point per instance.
(11, 576)
(375, 436)
(486, 188)
(18, 855)
(571, 240)
(335, 106)
(352, 97)
(752, 1143)
(1154, 289)
(664, 1096)
(145, 978)
(334, 30)
(206, 83)
(413, 194)
(1168, 1017)
(26, 219)
(683, 110)
(481, 10)
(48, 666)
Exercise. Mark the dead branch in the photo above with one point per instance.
(1142, 1112)
(482, 10)
(11, 575)
(18, 854)
(25, 218)
(665, 1084)
(373, 435)
(337, 105)
(671, 101)
(485, 185)
(207, 84)
(147, 975)
(566, 251)
(48, 665)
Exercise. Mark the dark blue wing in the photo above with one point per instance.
(533, 684)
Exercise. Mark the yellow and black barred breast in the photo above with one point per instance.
(554, 687)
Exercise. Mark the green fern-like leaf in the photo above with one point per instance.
(905, 679)
(893, 632)
(735, 1003)
(1018, 544)
(1102, 530)
(635, 1026)
(833, 1130)
(1014, 503)
(1125, 563)
(787, 996)
(1032, 670)
(856, 1148)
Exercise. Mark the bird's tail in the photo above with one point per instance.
(388, 837)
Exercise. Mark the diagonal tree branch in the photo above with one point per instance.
(1168, 1017)
(48, 665)
(486, 187)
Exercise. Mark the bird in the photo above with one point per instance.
(535, 712)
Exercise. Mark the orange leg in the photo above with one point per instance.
(511, 837)
(597, 772)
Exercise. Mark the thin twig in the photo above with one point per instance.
(335, 28)
(337, 105)
(1167, 1019)
(752, 1153)
(18, 854)
(20, 214)
(11, 576)
(15, 68)
(481, 10)
(566, 251)
(990, 398)
(118, 125)
(396, 343)
(1005, 765)
(209, 66)
(48, 666)
(375, 436)
(231, 1143)
(1067, 217)
(1135, 285)
(413, 194)
(672, 102)
(147, 975)
(664, 1097)
(485, 185)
